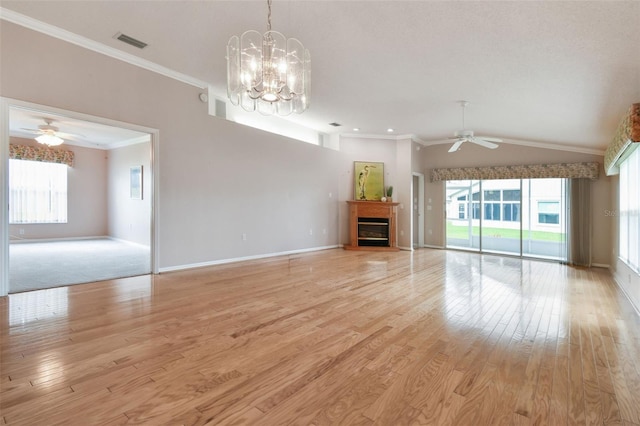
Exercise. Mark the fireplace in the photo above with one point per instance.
(372, 226)
(373, 232)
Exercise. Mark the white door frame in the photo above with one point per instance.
(5, 106)
(420, 177)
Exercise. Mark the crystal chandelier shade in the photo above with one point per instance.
(268, 73)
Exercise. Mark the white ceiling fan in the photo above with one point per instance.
(50, 134)
(463, 136)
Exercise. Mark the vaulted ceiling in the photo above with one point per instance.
(543, 72)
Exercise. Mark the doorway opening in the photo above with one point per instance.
(105, 217)
(417, 210)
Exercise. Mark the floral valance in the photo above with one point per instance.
(561, 170)
(628, 132)
(41, 153)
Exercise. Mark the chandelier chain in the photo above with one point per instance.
(269, 16)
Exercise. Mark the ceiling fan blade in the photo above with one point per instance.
(490, 139)
(35, 131)
(65, 135)
(484, 143)
(456, 145)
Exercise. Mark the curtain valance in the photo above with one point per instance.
(561, 170)
(41, 153)
(628, 132)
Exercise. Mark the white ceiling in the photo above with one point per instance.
(548, 72)
(24, 122)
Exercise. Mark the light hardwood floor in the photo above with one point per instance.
(332, 337)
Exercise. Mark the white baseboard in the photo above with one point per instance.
(433, 247)
(120, 240)
(601, 265)
(406, 248)
(242, 259)
(621, 287)
(51, 240)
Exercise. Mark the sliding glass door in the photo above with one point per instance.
(545, 220)
(501, 216)
(463, 214)
(523, 217)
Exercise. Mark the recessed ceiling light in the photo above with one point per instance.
(334, 124)
(390, 130)
(356, 129)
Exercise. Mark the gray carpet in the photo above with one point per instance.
(53, 264)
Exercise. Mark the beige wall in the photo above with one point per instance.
(218, 179)
(471, 155)
(87, 198)
(396, 156)
(129, 219)
(363, 149)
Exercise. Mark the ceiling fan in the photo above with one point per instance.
(50, 134)
(463, 136)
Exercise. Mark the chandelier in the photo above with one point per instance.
(268, 72)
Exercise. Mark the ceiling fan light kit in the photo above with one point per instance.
(47, 134)
(462, 136)
(49, 139)
(268, 73)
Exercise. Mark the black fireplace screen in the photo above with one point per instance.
(373, 232)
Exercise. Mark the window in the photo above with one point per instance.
(37, 192)
(630, 210)
(492, 195)
(462, 207)
(492, 211)
(549, 212)
(476, 211)
(462, 211)
(511, 195)
(475, 206)
(511, 206)
(502, 205)
(511, 212)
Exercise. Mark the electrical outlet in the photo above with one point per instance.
(324, 231)
(310, 231)
(244, 236)
(21, 231)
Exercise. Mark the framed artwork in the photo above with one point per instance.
(135, 183)
(368, 181)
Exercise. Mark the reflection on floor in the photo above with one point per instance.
(333, 337)
(52, 264)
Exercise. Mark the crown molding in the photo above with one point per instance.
(543, 145)
(59, 33)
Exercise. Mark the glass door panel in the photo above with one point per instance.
(500, 207)
(463, 214)
(544, 218)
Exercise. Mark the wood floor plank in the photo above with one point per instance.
(328, 337)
